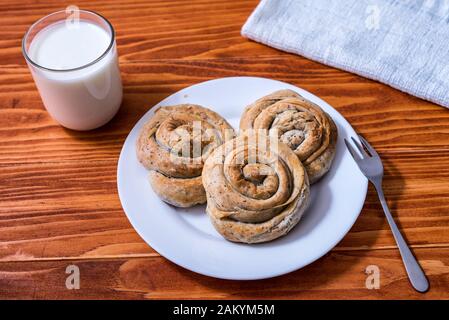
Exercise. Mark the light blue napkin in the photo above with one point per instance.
(403, 43)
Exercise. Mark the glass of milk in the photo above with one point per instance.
(73, 59)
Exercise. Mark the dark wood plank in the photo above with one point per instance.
(147, 29)
(58, 200)
(339, 275)
(28, 134)
(46, 206)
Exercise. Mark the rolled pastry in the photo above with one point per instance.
(256, 187)
(174, 144)
(302, 125)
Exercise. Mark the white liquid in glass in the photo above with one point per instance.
(81, 99)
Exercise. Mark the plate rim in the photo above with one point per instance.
(195, 269)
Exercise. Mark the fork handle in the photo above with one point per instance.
(414, 271)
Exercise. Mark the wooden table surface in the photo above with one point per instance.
(58, 196)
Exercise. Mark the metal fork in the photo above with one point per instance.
(371, 166)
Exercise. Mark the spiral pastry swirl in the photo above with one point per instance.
(302, 125)
(174, 144)
(256, 187)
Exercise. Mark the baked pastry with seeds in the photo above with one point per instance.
(256, 187)
(173, 146)
(302, 125)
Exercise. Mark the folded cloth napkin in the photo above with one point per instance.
(403, 43)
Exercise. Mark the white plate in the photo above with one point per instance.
(187, 238)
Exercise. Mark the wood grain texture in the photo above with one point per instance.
(338, 275)
(407, 123)
(46, 205)
(199, 29)
(58, 198)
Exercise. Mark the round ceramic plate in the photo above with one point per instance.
(186, 236)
